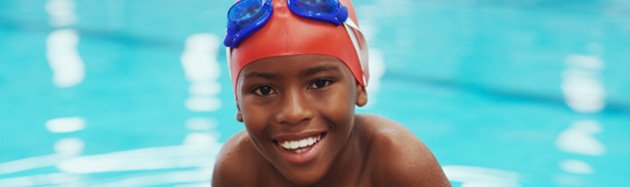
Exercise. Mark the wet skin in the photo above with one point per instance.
(291, 98)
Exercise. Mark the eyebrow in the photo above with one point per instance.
(317, 69)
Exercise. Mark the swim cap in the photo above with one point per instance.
(289, 34)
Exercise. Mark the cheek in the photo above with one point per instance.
(338, 104)
(338, 107)
(254, 119)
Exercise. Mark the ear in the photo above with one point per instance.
(361, 95)
(239, 116)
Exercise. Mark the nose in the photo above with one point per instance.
(294, 109)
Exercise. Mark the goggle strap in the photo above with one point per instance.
(350, 25)
(228, 56)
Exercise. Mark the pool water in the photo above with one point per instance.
(136, 93)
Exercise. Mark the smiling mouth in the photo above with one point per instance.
(300, 145)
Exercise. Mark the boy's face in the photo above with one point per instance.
(299, 112)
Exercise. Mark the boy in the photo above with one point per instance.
(298, 68)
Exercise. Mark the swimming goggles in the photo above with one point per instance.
(248, 16)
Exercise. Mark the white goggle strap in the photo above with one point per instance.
(228, 56)
(350, 25)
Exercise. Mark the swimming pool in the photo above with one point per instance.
(135, 93)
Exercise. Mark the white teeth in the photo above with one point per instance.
(295, 145)
(286, 145)
(303, 143)
(290, 145)
(300, 150)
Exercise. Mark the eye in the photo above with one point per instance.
(321, 83)
(264, 90)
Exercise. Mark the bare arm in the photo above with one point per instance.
(230, 169)
(401, 159)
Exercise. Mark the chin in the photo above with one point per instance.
(304, 179)
(306, 175)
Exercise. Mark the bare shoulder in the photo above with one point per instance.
(232, 167)
(396, 156)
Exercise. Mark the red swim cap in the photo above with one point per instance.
(289, 34)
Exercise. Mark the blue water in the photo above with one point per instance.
(135, 93)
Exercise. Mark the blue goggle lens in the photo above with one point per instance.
(330, 11)
(317, 5)
(314, 2)
(245, 12)
(244, 18)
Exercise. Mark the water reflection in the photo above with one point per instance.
(201, 132)
(64, 59)
(202, 69)
(69, 146)
(581, 84)
(377, 70)
(61, 45)
(471, 176)
(40, 180)
(580, 139)
(167, 157)
(584, 93)
(199, 124)
(576, 166)
(64, 125)
(61, 13)
(196, 158)
(166, 178)
(28, 164)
